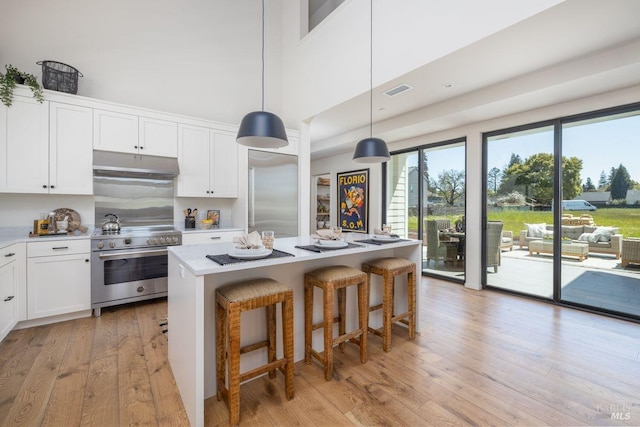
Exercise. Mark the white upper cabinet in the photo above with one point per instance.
(24, 147)
(158, 137)
(208, 160)
(114, 131)
(70, 153)
(46, 148)
(129, 133)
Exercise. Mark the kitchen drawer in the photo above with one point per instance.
(58, 247)
(209, 237)
(7, 255)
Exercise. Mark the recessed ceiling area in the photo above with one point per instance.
(576, 49)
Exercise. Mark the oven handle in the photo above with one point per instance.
(134, 254)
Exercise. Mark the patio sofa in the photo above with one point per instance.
(599, 241)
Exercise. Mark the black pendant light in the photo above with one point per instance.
(371, 150)
(261, 129)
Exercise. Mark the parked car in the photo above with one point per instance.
(577, 205)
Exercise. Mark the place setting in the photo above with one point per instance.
(382, 236)
(250, 247)
(328, 240)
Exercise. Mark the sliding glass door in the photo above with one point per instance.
(519, 193)
(425, 197)
(602, 212)
(567, 195)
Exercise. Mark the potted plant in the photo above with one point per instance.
(8, 82)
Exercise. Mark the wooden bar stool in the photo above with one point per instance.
(331, 279)
(389, 268)
(231, 301)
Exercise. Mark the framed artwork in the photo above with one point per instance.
(214, 215)
(353, 201)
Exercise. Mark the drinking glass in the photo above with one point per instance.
(268, 238)
(386, 229)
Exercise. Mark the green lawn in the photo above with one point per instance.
(627, 219)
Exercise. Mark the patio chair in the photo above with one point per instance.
(507, 240)
(494, 237)
(436, 248)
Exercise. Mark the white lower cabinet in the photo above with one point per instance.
(209, 237)
(8, 290)
(58, 277)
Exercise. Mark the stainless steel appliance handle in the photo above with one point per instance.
(134, 254)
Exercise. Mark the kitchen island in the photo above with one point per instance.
(193, 279)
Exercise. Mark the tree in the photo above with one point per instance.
(536, 175)
(620, 183)
(588, 186)
(449, 185)
(493, 180)
(602, 182)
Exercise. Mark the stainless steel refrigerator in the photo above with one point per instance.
(273, 193)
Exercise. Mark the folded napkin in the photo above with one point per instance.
(326, 235)
(382, 232)
(248, 241)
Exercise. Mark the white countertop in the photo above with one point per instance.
(11, 235)
(194, 257)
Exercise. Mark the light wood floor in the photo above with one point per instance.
(483, 358)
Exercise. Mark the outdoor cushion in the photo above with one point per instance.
(589, 237)
(604, 233)
(536, 230)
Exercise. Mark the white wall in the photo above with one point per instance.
(473, 134)
(331, 64)
(199, 58)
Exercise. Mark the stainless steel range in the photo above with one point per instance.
(130, 265)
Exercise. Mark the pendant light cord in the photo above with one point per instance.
(370, 72)
(262, 55)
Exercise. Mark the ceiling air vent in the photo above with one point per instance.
(396, 90)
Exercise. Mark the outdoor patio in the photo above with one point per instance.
(599, 280)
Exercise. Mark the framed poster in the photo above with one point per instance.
(353, 201)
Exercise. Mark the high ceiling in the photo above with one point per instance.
(576, 49)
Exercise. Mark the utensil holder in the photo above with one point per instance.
(190, 222)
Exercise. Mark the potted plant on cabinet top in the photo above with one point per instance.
(8, 82)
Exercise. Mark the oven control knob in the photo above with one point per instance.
(151, 241)
(112, 244)
(127, 241)
(100, 245)
(174, 240)
(162, 240)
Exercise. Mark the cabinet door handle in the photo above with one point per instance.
(10, 254)
(53, 186)
(135, 146)
(8, 298)
(44, 186)
(60, 248)
(141, 147)
(216, 238)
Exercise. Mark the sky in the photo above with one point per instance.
(600, 145)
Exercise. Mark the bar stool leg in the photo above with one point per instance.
(287, 344)
(327, 297)
(221, 347)
(271, 337)
(308, 320)
(342, 315)
(411, 285)
(363, 314)
(234, 365)
(387, 310)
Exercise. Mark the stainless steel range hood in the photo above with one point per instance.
(106, 163)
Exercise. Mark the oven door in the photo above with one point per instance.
(128, 275)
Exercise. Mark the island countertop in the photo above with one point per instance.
(193, 280)
(194, 257)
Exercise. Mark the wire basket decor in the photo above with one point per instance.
(59, 76)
